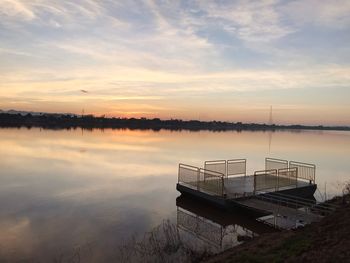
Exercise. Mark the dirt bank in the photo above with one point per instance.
(325, 241)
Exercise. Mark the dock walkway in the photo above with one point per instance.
(292, 213)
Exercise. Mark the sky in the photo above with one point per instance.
(207, 60)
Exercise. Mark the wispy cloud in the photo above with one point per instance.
(249, 20)
(16, 9)
(333, 14)
(151, 55)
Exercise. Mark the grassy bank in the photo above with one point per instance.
(324, 241)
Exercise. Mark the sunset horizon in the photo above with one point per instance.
(156, 117)
(225, 61)
(187, 131)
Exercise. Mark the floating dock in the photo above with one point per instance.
(282, 191)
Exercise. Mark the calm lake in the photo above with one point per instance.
(109, 195)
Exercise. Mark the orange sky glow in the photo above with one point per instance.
(226, 61)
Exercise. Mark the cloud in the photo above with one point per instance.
(14, 51)
(56, 14)
(17, 9)
(333, 14)
(158, 54)
(249, 20)
(131, 82)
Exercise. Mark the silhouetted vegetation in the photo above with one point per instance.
(69, 121)
(161, 244)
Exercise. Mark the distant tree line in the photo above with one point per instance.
(69, 121)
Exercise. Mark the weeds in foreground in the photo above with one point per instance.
(162, 244)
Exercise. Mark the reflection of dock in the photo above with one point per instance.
(215, 226)
(279, 190)
(220, 216)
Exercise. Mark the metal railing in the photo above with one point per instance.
(211, 181)
(216, 165)
(273, 179)
(188, 175)
(279, 207)
(265, 180)
(201, 179)
(212, 177)
(273, 163)
(287, 177)
(312, 205)
(236, 167)
(306, 171)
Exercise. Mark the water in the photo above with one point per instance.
(89, 196)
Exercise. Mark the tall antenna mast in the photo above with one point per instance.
(270, 132)
(270, 118)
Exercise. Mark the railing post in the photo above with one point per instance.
(254, 191)
(222, 186)
(198, 178)
(226, 169)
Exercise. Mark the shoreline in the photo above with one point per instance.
(324, 241)
(54, 121)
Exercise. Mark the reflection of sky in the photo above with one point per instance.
(226, 60)
(63, 188)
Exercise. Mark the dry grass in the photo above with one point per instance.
(324, 241)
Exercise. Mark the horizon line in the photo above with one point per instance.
(173, 119)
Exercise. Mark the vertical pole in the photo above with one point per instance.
(222, 186)
(254, 184)
(226, 169)
(198, 177)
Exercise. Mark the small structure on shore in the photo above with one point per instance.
(282, 193)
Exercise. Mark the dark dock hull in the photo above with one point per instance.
(306, 191)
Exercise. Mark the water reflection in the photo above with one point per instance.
(63, 190)
(200, 230)
(216, 229)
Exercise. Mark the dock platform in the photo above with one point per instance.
(282, 190)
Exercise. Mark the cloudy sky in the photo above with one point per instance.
(224, 60)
